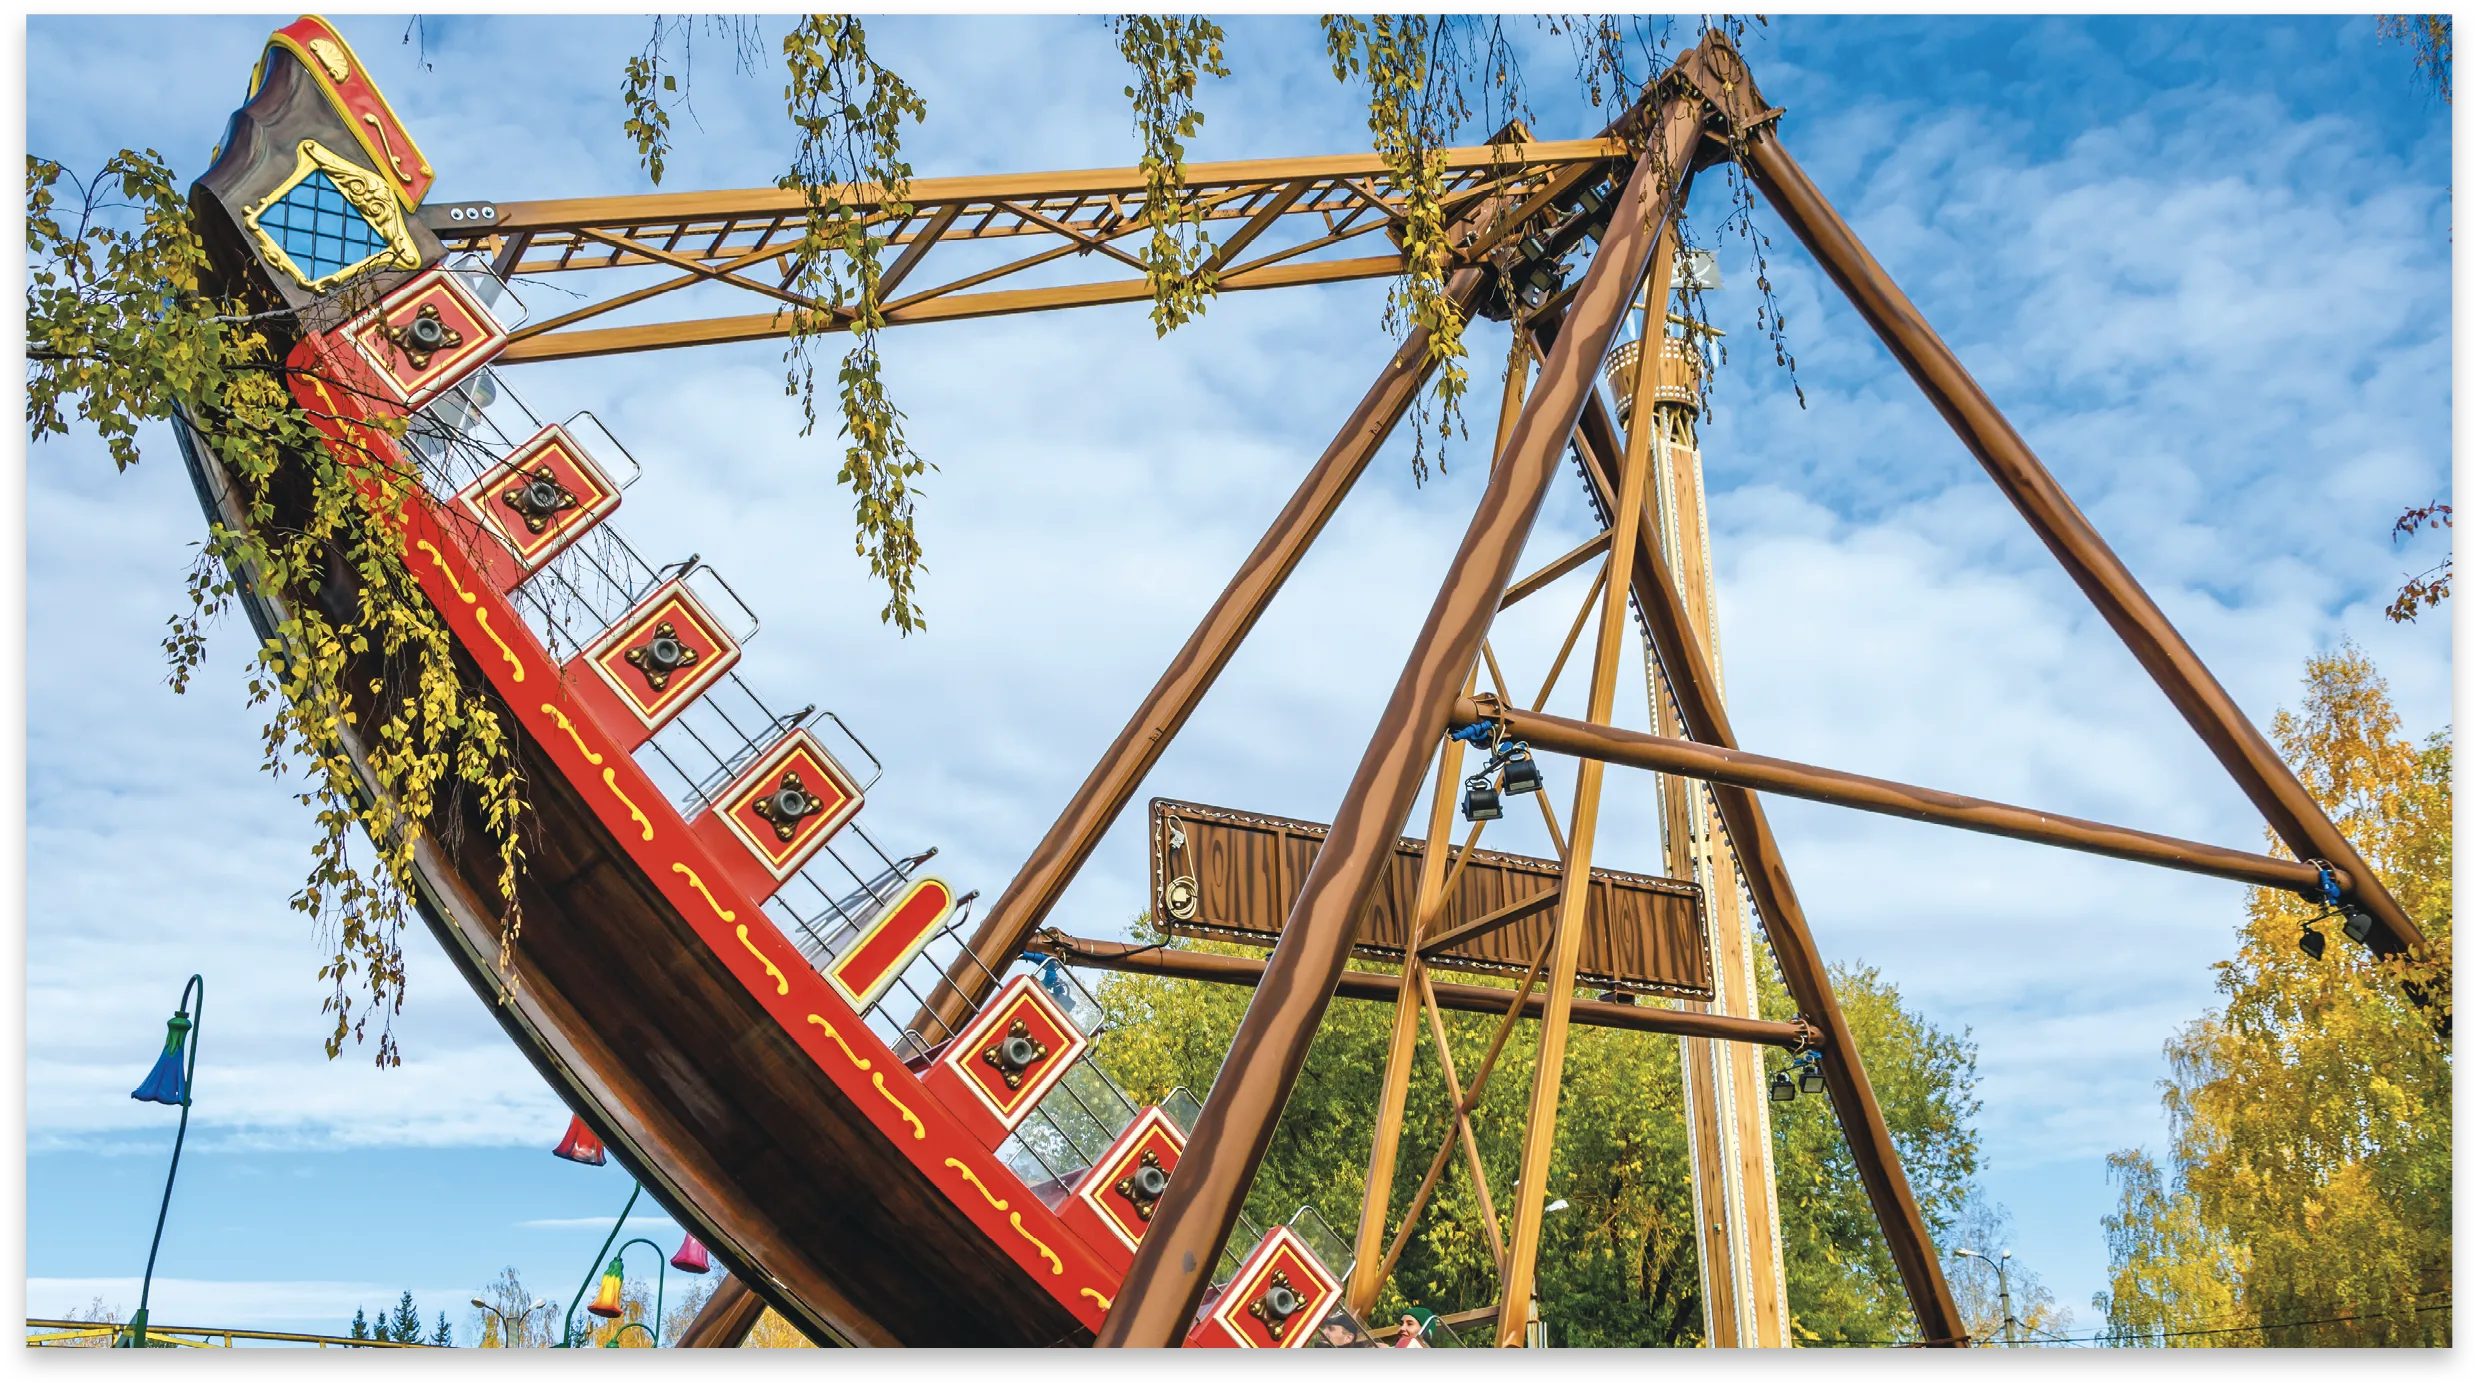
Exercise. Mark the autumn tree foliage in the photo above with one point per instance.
(124, 329)
(2306, 1198)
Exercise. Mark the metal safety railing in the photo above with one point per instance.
(573, 600)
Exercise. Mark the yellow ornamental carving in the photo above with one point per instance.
(369, 195)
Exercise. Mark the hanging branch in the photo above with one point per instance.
(1412, 115)
(854, 184)
(120, 328)
(1167, 53)
(646, 82)
(2428, 589)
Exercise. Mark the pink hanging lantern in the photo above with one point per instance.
(691, 1256)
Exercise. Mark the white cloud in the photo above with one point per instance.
(596, 1224)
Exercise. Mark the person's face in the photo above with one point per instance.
(1337, 1335)
(1410, 1325)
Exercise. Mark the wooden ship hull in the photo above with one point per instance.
(649, 989)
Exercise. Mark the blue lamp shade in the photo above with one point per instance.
(164, 1083)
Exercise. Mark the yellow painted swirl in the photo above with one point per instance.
(857, 1061)
(592, 757)
(919, 1132)
(974, 1180)
(1057, 1267)
(610, 781)
(483, 616)
(782, 986)
(1098, 1297)
(439, 561)
(727, 916)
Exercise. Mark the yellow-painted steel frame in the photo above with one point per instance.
(751, 240)
(70, 1333)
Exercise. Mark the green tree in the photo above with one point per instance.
(361, 1324)
(406, 1325)
(2311, 1161)
(444, 1337)
(1843, 1285)
(1619, 1262)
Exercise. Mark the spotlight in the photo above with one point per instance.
(1783, 1090)
(2359, 925)
(1811, 1081)
(1522, 772)
(1480, 800)
(2311, 943)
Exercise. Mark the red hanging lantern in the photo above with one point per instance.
(580, 1144)
(607, 1304)
(691, 1256)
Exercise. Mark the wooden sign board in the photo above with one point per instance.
(1222, 874)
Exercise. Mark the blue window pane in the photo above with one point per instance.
(321, 231)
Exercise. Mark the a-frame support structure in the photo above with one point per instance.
(1704, 110)
(1708, 96)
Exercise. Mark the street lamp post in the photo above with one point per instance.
(2004, 1288)
(661, 1270)
(172, 1082)
(508, 1336)
(567, 1321)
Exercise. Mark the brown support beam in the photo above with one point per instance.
(919, 246)
(1747, 770)
(1491, 922)
(1462, 1122)
(932, 306)
(2094, 567)
(728, 1316)
(1195, 1217)
(1155, 960)
(1785, 922)
(1097, 802)
(1463, 1109)
(1575, 894)
(1557, 567)
(1393, 1093)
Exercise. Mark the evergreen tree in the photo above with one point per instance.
(444, 1337)
(361, 1324)
(406, 1327)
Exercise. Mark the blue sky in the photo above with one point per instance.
(2203, 264)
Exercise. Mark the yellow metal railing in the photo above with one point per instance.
(64, 1333)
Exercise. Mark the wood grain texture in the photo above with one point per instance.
(1642, 934)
